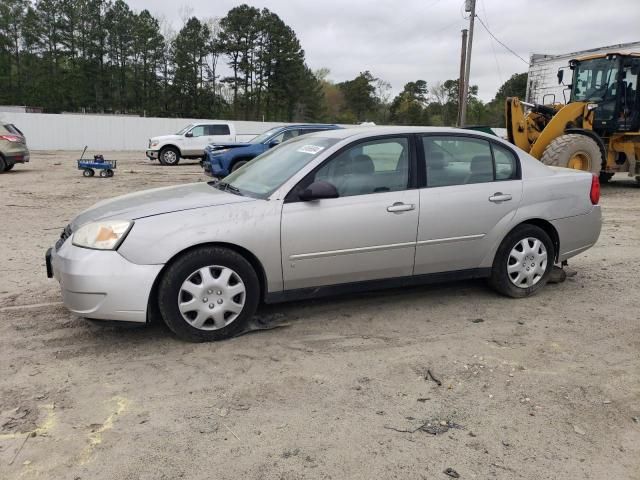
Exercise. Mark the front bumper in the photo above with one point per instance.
(152, 154)
(102, 284)
(213, 166)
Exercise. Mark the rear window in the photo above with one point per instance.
(218, 130)
(13, 129)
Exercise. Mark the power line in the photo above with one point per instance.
(493, 49)
(494, 37)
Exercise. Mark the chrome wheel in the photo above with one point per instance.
(527, 262)
(169, 157)
(211, 297)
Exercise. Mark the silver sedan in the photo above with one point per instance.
(328, 213)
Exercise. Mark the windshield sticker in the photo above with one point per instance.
(310, 149)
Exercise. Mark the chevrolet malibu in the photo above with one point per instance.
(332, 212)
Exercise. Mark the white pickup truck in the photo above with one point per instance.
(189, 142)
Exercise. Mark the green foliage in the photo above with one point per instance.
(359, 95)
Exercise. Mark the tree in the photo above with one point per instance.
(409, 107)
(190, 48)
(516, 86)
(359, 95)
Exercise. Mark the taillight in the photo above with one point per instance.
(11, 138)
(594, 194)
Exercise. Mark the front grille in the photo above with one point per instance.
(66, 233)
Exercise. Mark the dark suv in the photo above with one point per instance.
(223, 158)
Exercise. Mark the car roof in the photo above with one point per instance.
(375, 131)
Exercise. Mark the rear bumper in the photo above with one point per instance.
(152, 154)
(578, 233)
(100, 284)
(17, 158)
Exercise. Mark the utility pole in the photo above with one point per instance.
(470, 7)
(463, 59)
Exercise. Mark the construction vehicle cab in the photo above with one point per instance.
(598, 130)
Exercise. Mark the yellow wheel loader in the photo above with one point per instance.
(598, 130)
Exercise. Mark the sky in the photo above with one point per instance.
(407, 40)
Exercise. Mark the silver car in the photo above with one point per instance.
(333, 212)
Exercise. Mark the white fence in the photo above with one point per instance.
(105, 132)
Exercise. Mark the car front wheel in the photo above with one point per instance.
(169, 156)
(208, 294)
(523, 262)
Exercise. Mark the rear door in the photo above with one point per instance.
(368, 233)
(472, 191)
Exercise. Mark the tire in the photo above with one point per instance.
(231, 312)
(109, 173)
(104, 173)
(574, 151)
(169, 156)
(509, 279)
(87, 172)
(239, 164)
(3, 164)
(9, 167)
(605, 177)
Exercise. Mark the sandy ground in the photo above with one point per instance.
(545, 387)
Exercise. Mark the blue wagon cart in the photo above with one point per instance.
(89, 167)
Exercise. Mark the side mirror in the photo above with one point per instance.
(319, 190)
(274, 143)
(560, 76)
(188, 134)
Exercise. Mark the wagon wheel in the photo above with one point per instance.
(104, 173)
(109, 173)
(88, 172)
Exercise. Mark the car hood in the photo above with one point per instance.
(224, 145)
(157, 201)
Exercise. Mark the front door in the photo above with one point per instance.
(368, 233)
(473, 190)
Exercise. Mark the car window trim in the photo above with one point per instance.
(422, 159)
(411, 181)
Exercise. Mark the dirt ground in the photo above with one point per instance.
(540, 388)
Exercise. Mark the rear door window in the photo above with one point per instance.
(458, 160)
(219, 129)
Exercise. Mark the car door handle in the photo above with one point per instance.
(401, 207)
(500, 197)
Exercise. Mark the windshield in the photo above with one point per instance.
(185, 129)
(595, 80)
(266, 173)
(265, 136)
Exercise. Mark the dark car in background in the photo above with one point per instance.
(223, 158)
(13, 147)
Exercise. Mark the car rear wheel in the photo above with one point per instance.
(3, 164)
(523, 262)
(169, 156)
(9, 167)
(208, 294)
(239, 164)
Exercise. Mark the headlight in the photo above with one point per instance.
(105, 235)
(154, 143)
(219, 152)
